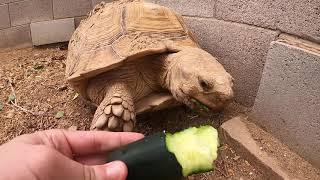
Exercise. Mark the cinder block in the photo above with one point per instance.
(95, 2)
(288, 100)
(298, 17)
(257, 12)
(18, 36)
(24, 12)
(242, 49)
(54, 31)
(70, 8)
(203, 8)
(4, 17)
(8, 1)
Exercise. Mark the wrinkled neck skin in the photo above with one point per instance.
(166, 70)
(159, 68)
(172, 72)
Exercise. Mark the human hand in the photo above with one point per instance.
(64, 155)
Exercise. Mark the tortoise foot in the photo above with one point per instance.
(115, 115)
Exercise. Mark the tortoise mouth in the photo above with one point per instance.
(199, 106)
(205, 109)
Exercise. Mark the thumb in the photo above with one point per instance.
(115, 170)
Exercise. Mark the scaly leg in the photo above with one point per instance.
(116, 111)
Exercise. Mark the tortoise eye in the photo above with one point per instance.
(204, 85)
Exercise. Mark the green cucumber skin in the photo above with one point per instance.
(149, 159)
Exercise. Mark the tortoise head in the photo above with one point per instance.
(199, 80)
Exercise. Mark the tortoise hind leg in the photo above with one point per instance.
(116, 111)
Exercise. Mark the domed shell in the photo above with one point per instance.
(118, 32)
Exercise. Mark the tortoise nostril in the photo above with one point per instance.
(204, 85)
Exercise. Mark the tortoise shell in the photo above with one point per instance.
(121, 31)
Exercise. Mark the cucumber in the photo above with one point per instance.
(194, 148)
(166, 156)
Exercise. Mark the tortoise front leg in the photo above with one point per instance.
(116, 111)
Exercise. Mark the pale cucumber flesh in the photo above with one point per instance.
(195, 148)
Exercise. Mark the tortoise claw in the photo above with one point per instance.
(100, 121)
(113, 122)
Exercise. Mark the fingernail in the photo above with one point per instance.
(115, 170)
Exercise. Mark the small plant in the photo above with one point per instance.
(11, 98)
(59, 115)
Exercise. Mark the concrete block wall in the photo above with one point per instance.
(288, 99)
(17, 15)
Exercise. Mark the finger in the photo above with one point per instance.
(88, 142)
(61, 167)
(116, 170)
(78, 143)
(94, 159)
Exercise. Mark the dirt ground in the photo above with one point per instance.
(34, 80)
(287, 159)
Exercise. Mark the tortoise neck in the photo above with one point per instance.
(160, 69)
(171, 67)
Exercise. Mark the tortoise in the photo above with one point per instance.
(131, 57)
